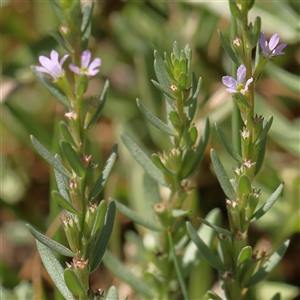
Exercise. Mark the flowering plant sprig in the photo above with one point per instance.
(238, 265)
(87, 223)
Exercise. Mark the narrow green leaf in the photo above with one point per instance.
(188, 54)
(222, 176)
(99, 217)
(137, 218)
(196, 87)
(265, 129)
(176, 49)
(66, 204)
(263, 209)
(87, 11)
(215, 227)
(61, 181)
(58, 10)
(261, 154)
(213, 296)
(143, 159)
(269, 265)
(177, 213)
(65, 132)
(55, 91)
(245, 185)
(158, 163)
(228, 49)
(99, 184)
(193, 132)
(245, 255)
(104, 236)
(61, 249)
(102, 101)
(54, 269)
(182, 80)
(112, 294)
(120, 270)
(73, 159)
(214, 260)
(58, 37)
(154, 120)
(56, 163)
(166, 90)
(227, 144)
(73, 283)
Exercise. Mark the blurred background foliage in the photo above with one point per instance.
(125, 34)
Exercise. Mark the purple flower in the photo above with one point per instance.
(52, 66)
(271, 49)
(237, 85)
(87, 68)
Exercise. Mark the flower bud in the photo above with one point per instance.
(82, 270)
(89, 220)
(75, 194)
(71, 231)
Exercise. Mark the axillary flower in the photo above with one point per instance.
(52, 66)
(271, 49)
(238, 85)
(87, 68)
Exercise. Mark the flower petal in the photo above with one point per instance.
(278, 50)
(54, 56)
(45, 62)
(75, 69)
(96, 63)
(63, 59)
(229, 82)
(85, 59)
(41, 69)
(274, 41)
(241, 74)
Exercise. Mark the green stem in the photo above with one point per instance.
(177, 267)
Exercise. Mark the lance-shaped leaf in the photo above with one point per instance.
(73, 159)
(228, 49)
(53, 161)
(61, 249)
(143, 159)
(209, 255)
(222, 176)
(58, 10)
(65, 132)
(66, 204)
(54, 90)
(100, 182)
(261, 154)
(263, 209)
(195, 90)
(87, 11)
(104, 236)
(54, 269)
(73, 283)
(190, 164)
(101, 103)
(120, 270)
(100, 217)
(268, 265)
(245, 185)
(265, 129)
(217, 228)
(244, 258)
(60, 40)
(137, 218)
(227, 144)
(154, 120)
(61, 181)
(211, 296)
(112, 294)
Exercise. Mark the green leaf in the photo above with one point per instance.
(177, 213)
(87, 11)
(227, 144)
(265, 129)
(164, 89)
(209, 255)
(195, 90)
(212, 296)
(53, 161)
(215, 227)
(191, 254)
(58, 10)
(60, 40)
(245, 185)
(54, 90)
(73, 283)
(73, 159)
(54, 269)
(193, 132)
(222, 176)
(228, 49)
(61, 249)
(261, 154)
(100, 216)
(65, 132)
(66, 204)
(102, 101)
(99, 184)
(104, 236)
(137, 218)
(244, 256)
(268, 265)
(120, 270)
(143, 159)
(263, 209)
(158, 163)
(154, 120)
(61, 181)
(112, 294)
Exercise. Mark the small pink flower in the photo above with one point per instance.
(238, 85)
(52, 66)
(271, 49)
(87, 68)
